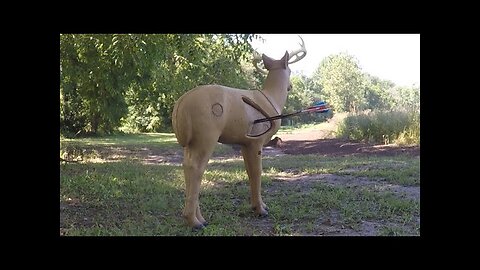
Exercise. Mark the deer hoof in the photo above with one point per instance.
(261, 212)
(264, 206)
(198, 227)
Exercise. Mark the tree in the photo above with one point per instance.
(406, 98)
(342, 82)
(300, 97)
(189, 61)
(377, 93)
(107, 80)
(95, 72)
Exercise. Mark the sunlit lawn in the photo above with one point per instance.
(129, 197)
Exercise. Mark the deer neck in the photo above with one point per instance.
(275, 87)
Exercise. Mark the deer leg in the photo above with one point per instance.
(194, 163)
(198, 214)
(252, 157)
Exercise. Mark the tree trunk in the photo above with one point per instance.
(94, 122)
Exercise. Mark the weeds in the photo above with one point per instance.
(400, 127)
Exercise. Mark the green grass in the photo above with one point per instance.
(131, 198)
(400, 127)
(403, 170)
(167, 140)
(94, 148)
(352, 206)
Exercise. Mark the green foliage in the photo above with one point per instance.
(411, 134)
(377, 93)
(191, 60)
(130, 82)
(95, 71)
(108, 80)
(300, 97)
(342, 82)
(407, 98)
(386, 127)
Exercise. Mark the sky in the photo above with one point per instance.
(394, 57)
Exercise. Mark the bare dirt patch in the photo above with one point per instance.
(339, 147)
(321, 141)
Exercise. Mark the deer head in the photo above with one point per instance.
(289, 58)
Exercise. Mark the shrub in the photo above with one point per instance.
(400, 127)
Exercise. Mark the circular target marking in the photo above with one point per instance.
(217, 109)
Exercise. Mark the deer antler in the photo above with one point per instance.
(296, 55)
(257, 58)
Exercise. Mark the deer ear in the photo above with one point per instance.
(267, 61)
(285, 59)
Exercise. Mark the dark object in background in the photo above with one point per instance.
(275, 142)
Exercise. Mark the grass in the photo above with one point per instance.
(95, 148)
(129, 197)
(164, 140)
(401, 127)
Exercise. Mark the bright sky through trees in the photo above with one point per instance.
(394, 57)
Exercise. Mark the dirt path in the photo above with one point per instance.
(338, 147)
(321, 141)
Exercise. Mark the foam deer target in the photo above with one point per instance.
(209, 114)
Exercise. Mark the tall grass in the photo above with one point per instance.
(400, 127)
